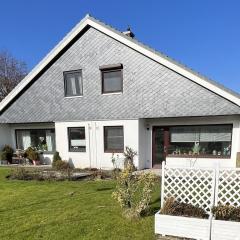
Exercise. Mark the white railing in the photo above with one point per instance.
(203, 187)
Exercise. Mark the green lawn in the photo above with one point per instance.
(48, 210)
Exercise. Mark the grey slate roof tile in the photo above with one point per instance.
(150, 89)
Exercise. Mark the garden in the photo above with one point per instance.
(68, 210)
(66, 203)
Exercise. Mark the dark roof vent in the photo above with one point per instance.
(129, 33)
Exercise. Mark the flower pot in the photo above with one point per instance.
(225, 230)
(185, 227)
(36, 162)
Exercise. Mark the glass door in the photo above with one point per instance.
(160, 142)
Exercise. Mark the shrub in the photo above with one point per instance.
(24, 174)
(226, 212)
(115, 173)
(176, 208)
(7, 153)
(129, 155)
(133, 192)
(61, 165)
(56, 157)
(3, 156)
(32, 154)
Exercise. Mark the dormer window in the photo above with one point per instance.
(73, 83)
(112, 78)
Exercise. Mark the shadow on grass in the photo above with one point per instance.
(104, 189)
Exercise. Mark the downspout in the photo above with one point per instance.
(89, 144)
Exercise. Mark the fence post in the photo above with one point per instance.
(216, 186)
(162, 185)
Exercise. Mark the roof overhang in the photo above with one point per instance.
(92, 22)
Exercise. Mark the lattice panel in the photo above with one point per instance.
(228, 187)
(190, 185)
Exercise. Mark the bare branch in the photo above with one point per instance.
(12, 71)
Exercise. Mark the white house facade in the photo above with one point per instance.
(100, 90)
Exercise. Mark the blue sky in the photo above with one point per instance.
(204, 35)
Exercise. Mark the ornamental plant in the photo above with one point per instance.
(176, 208)
(56, 157)
(133, 192)
(226, 212)
(32, 154)
(129, 155)
(7, 153)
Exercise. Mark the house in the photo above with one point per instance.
(100, 90)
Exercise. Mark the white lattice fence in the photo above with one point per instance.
(189, 185)
(228, 187)
(201, 187)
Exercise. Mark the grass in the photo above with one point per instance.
(67, 210)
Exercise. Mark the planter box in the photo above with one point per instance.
(225, 230)
(182, 226)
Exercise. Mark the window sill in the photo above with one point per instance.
(113, 93)
(77, 151)
(113, 151)
(198, 156)
(74, 97)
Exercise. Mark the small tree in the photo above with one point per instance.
(133, 192)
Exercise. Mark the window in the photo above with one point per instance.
(73, 83)
(42, 139)
(112, 78)
(77, 140)
(113, 139)
(211, 140)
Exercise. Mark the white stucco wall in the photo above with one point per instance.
(5, 135)
(144, 161)
(95, 157)
(200, 162)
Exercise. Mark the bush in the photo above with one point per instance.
(3, 156)
(61, 165)
(226, 212)
(133, 192)
(176, 208)
(24, 174)
(7, 153)
(56, 157)
(32, 154)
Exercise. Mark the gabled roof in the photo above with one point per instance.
(128, 41)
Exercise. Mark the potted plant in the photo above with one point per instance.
(33, 155)
(3, 158)
(182, 220)
(226, 223)
(7, 154)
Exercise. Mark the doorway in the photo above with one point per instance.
(160, 144)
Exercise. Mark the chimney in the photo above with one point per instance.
(129, 33)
